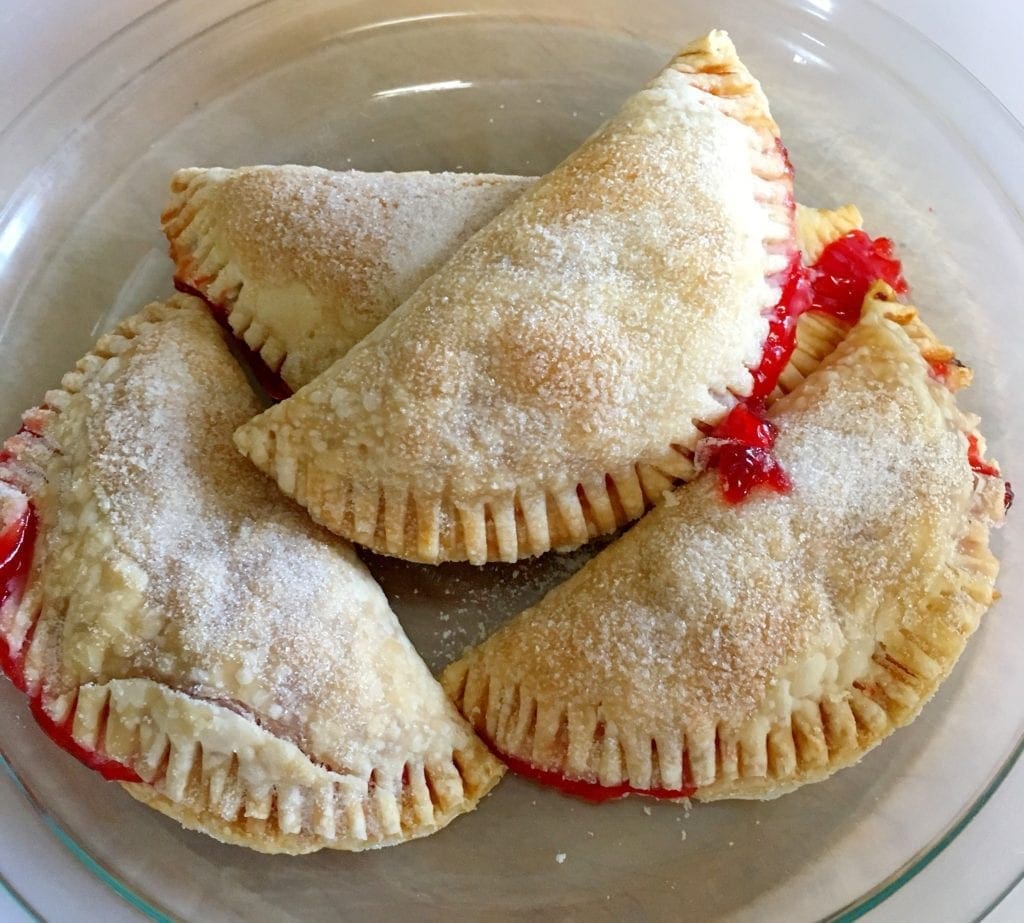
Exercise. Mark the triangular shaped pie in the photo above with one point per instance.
(547, 383)
(721, 650)
(304, 262)
(183, 628)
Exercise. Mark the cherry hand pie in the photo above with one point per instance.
(548, 383)
(325, 257)
(300, 263)
(303, 262)
(181, 627)
(740, 650)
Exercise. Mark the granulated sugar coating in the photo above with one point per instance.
(305, 261)
(710, 627)
(165, 555)
(572, 340)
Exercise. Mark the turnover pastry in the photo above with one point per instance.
(323, 258)
(740, 650)
(303, 262)
(300, 263)
(547, 383)
(181, 627)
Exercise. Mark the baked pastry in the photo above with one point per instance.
(740, 650)
(546, 384)
(181, 627)
(300, 263)
(303, 262)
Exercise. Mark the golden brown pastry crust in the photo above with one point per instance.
(184, 620)
(545, 386)
(304, 262)
(745, 650)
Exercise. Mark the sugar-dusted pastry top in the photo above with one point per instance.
(740, 650)
(304, 262)
(543, 386)
(301, 263)
(187, 629)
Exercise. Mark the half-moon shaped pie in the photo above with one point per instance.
(304, 262)
(740, 650)
(181, 627)
(301, 262)
(546, 384)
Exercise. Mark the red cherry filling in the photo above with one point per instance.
(17, 544)
(836, 285)
(845, 271)
(589, 791)
(980, 466)
(61, 735)
(977, 463)
(781, 339)
(270, 381)
(741, 448)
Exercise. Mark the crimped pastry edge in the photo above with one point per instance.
(204, 787)
(397, 519)
(760, 759)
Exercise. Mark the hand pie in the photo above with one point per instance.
(301, 262)
(182, 628)
(721, 650)
(547, 383)
(304, 262)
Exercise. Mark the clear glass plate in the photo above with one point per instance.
(871, 114)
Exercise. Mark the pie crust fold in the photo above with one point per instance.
(187, 630)
(545, 386)
(303, 262)
(722, 650)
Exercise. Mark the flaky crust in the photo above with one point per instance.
(545, 386)
(184, 621)
(744, 650)
(304, 262)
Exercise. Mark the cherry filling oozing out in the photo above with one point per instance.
(17, 539)
(741, 448)
(593, 792)
(941, 368)
(980, 466)
(61, 735)
(270, 381)
(741, 445)
(847, 268)
(836, 285)
(977, 463)
(17, 544)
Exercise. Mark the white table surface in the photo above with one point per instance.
(39, 37)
